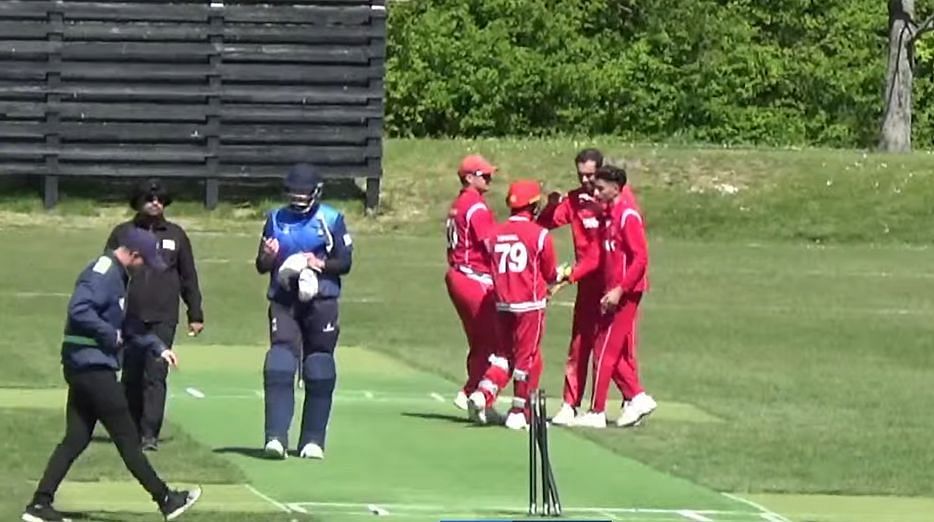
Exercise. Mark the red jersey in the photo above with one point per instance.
(630, 198)
(522, 263)
(582, 210)
(469, 222)
(625, 248)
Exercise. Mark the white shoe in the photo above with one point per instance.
(312, 451)
(591, 419)
(516, 421)
(622, 413)
(461, 401)
(275, 449)
(640, 407)
(565, 415)
(476, 406)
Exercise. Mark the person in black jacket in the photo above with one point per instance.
(97, 337)
(153, 300)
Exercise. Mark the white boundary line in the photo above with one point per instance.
(694, 515)
(760, 507)
(269, 499)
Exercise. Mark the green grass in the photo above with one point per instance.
(816, 358)
(786, 337)
(813, 195)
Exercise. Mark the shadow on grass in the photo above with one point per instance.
(105, 439)
(438, 416)
(96, 516)
(254, 453)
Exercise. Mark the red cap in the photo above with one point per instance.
(475, 164)
(523, 193)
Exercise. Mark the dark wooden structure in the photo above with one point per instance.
(203, 89)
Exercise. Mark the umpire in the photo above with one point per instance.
(153, 301)
(97, 334)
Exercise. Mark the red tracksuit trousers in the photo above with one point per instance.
(583, 337)
(521, 339)
(475, 305)
(614, 355)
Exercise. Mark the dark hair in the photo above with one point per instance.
(586, 155)
(611, 173)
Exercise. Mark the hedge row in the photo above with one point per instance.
(783, 72)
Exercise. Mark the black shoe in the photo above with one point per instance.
(42, 513)
(178, 502)
(150, 444)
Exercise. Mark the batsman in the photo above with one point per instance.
(305, 249)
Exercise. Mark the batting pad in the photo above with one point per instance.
(281, 365)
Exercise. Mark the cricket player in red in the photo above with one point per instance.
(583, 212)
(468, 278)
(523, 267)
(624, 266)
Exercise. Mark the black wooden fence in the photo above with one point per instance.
(196, 89)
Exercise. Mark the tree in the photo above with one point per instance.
(903, 33)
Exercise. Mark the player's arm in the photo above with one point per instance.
(481, 223)
(590, 262)
(265, 260)
(548, 258)
(634, 241)
(340, 259)
(136, 338)
(188, 275)
(556, 213)
(88, 299)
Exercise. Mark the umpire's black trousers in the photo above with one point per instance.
(144, 380)
(94, 394)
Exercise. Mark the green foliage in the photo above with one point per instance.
(723, 71)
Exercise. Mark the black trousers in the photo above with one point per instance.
(96, 395)
(144, 379)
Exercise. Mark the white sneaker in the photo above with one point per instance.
(516, 421)
(461, 401)
(312, 451)
(591, 419)
(565, 415)
(640, 407)
(476, 406)
(622, 413)
(275, 449)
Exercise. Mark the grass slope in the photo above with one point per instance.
(815, 195)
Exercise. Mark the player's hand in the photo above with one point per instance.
(564, 273)
(314, 262)
(170, 357)
(118, 342)
(610, 300)
(270, 247)
(195, 328)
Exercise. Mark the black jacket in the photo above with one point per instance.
(154, 296)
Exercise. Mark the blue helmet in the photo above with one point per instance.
(303, 185)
